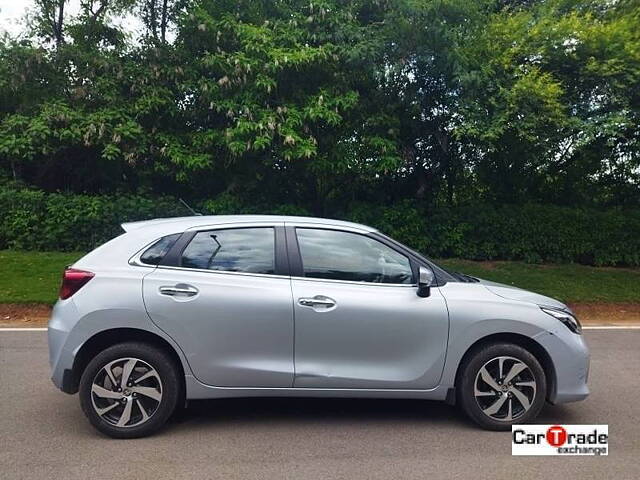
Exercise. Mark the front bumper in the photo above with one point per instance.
(570, 356)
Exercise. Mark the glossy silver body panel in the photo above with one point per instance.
(476, 312)
(111, 300)
(237, 331)
(248, 335)
(377, 336)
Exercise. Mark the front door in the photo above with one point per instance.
(227, 308)
(359, 322)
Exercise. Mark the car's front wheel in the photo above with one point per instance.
(129, 390)
(502, 384)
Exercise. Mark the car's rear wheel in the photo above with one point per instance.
(502, 384)
(129, 390)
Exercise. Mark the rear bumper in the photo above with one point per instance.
(68, 383)
(570, 356)
(60, 359)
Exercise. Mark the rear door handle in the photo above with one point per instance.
(318, 301)
(179, 291)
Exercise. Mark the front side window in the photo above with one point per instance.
(248, 250)
(156, 252)
(348, 256)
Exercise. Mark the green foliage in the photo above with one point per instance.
(226, 204)
(34, 220)
(534, 233)
(442, 121)
(323, 103)
(550, 99)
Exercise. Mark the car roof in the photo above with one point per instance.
(183, 223)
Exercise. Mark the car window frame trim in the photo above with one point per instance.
(288, 258)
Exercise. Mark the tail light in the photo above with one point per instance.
(73, 280)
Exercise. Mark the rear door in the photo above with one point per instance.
(225, 298)
(359, 321)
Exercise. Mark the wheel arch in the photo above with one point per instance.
(107, 338)
(523, 341)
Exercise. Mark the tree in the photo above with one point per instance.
(49, 20)
(325, 103)
(551, 103)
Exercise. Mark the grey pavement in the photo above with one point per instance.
(43, 433)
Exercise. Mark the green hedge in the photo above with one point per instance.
(33, 220)
(533, 233)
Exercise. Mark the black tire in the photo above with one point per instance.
(170, 388)
(471, 369)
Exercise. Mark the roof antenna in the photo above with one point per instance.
(193, 212)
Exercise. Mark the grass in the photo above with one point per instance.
(569, 283)
(34, 277)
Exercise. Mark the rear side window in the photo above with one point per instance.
(248, 250)
(156, 252)
(349, 256)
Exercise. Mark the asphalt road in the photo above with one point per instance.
(43, 433)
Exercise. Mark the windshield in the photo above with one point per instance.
(458, 276)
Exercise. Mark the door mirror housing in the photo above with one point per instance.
(425, 281)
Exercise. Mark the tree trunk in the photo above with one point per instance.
(58, 23)
(153, 19)
(163, 23)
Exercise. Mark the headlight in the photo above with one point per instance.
(568, 319)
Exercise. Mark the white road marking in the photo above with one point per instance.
(612, 327)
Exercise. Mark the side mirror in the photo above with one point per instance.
(425, 280)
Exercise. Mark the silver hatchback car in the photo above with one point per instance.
(237, 306)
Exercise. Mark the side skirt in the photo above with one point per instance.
(197, 390)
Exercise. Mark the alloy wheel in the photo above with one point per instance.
(126, 392)
(505, 388)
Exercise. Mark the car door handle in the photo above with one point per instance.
(179, 291)
(317, 301)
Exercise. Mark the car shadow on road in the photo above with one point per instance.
(257, 410)
(565, 414)
(248, 411)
